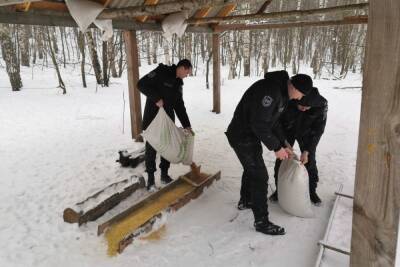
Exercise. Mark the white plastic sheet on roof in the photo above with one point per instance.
(85, 12)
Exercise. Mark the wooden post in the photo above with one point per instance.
(377, 185)
(132, 58)
(216, 74)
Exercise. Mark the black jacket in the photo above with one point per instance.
(307, 126)
(162, 83)
(258, 111)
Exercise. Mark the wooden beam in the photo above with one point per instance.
(284, 14)
(216, 74)
(161, 8)
(344, 21)
(147, 3)
(377, 184)
(132, 58)
(264, 7)
(64, 19)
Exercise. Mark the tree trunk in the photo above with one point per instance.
(53, 58)
(9, 56)
(24, 44)
(94, 57)
(105, 64)
(81, 44)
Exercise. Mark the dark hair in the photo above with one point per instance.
(185, 63)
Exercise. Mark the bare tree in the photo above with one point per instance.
(9, 56)
(54, 60)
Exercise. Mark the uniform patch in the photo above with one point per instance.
(168, 84)
(151, 74)
(267, 101)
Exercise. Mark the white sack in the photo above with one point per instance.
(293, 189)
(174, 23)
(173, 143)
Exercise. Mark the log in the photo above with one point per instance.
(78, 214)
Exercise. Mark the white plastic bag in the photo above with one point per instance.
(173, 143)
(293, 189)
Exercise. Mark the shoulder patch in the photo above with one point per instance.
(151, 74)
(267, 101)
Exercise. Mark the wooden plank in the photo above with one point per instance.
(132, 58)
(344, 21)
(48, 5)
(377, 184)
(226, 10)
(147, 3)
(202, 12)
(76, 215)
(282, 14)
(23, 7)
(181, 194)
(15, 2)
(216, 74)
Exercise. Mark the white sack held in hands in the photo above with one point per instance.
(293, 189)
(173, 143)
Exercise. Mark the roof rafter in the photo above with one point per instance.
(273, 15)
(344, 21)
(147, 3)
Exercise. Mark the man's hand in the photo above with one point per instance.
(289, 151)
(282, 154)
(160, 103)
(304, 157)
(189, 129)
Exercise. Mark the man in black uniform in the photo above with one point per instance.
(163, 88)
(305, 122)
(252, 123)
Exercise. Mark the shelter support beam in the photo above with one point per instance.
(132, 58)
(216, 74)
(377, 184)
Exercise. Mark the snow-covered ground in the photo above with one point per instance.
(55, 150)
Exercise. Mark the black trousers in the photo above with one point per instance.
(311, 167)
(254, 178)
(150, 160)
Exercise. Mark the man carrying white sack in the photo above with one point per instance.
(163, 88)
(305, 122)
(252, 123)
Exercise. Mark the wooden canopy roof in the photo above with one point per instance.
(204, 15)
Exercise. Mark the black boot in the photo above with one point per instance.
(315, 198)
(165, 178)
(150, 181)
(266, 227)
(274, 196)
(243, 205)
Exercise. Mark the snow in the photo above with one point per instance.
(57, 150)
